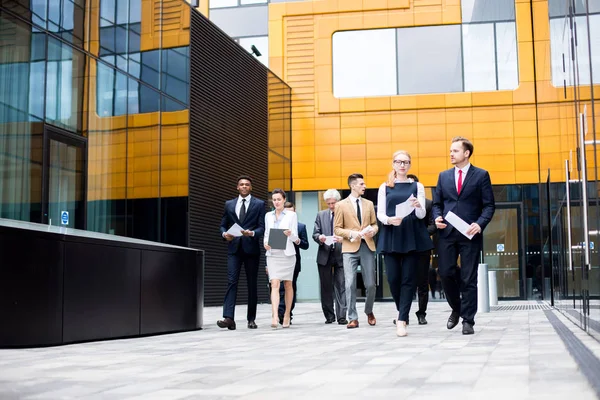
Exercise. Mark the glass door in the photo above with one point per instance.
(502, 252)
(64, 179)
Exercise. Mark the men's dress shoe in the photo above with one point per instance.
(329, 321)
(352, 324)
(226, 323)
(342, 321)
(401, 328)
(468, 329)
(371, 319)
(422, 320)
(252, 325)
(453, 320)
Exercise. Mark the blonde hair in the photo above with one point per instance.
(392, 175)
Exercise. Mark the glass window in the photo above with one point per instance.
(560, 8)
(261, 43)
(479, 57)
(487, 10)
(111, 92)
(364, 63)
(252, 1)
(506, 50)
(429, 60)
(223, 3)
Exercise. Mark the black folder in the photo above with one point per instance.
(277, 239)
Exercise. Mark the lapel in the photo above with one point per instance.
(452, 182)
(232, 210)
(326, 223)
(353, 210)
(470, 173)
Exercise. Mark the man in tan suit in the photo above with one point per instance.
(355, 221)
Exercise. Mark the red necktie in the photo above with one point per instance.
(459, 185)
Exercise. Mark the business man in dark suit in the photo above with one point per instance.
(301, 243)
(424, 262)
(248, 212)
(330, 262)
(466, 191)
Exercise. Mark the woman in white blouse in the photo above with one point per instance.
(281, 263)
(402, 238)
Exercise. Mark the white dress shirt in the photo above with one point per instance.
(464, 170)
(353, 201)
(287, 220)
(382, 205)
(238, 205)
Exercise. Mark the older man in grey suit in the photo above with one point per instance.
(330, 262)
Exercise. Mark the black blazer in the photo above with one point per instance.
(323, 227)
(429, 220)
(475, 202)
(303, 236)
(254, 221)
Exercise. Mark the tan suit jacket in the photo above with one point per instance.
(346, 223)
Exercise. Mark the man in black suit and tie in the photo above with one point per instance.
(301, 243)
(330, 262)
(424, 262)
(466, 191)
(248, 212)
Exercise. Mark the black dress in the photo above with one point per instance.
(412, 233)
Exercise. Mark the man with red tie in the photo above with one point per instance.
(466, 191)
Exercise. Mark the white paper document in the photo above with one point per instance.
(458, 223)
(235, 230)
(405, 208)
(362, 233)
(329, 240)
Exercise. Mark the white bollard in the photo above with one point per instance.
(483, 289)
(493, 288)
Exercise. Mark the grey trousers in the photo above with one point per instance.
(366, 258)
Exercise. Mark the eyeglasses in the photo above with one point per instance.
(401, 162)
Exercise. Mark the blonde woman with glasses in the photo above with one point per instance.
(403, 237)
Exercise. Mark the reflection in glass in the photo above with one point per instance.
(479, 56)
(429, 60)
(487, 10)
(506, 50)
(364, 63)
(222, 3)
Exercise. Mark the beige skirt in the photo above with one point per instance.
(280, 266)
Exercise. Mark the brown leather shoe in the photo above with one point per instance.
(226, 323)
(371, 319)
(352, 324)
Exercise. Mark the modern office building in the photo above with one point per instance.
(135, 117)
(371, 77)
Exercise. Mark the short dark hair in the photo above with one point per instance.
(246, 177)
(289, 204)
(278, 191)
(413, 177)
(466, 144)
(353, 178)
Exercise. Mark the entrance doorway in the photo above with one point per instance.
(63, 185)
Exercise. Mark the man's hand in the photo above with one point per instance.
(474, 229)
(228, 237)
(267, 247)
(439, 222)
(322, 238)
(396, 221)
(247, 233)
(370, 233)
(337, 239)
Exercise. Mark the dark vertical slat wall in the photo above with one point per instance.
(228, 138)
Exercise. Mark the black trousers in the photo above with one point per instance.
(333, 290)
(234, 267)
(423, 282)
(401, 271)
(460, 280)
(281, 308)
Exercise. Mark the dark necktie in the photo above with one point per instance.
(243, 211)
(332, 215)
(358, 212)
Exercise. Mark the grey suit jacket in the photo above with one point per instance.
(323, 227)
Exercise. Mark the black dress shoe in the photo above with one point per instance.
(342, 321)
(453, 320)
(422, 320)
(252, 325)
(226, 323)
(468, 329)
(329, 321)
